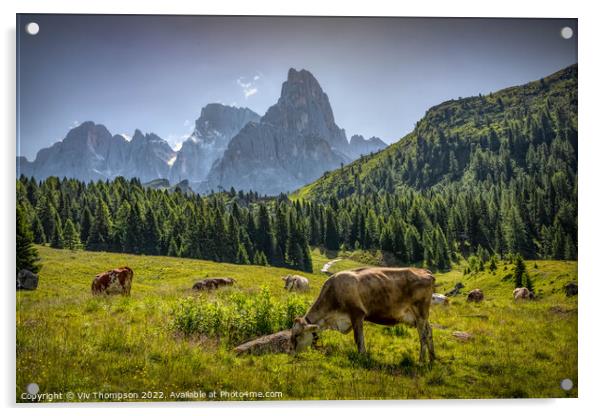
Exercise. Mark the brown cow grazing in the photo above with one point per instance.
(113, 282)
(522, 293)
(475, 295)
(213, 283)
(381, 295)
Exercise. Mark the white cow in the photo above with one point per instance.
(439, 299)
(295, 283)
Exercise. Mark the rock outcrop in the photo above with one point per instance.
(26, 280)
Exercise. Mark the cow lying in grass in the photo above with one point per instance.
(113, 282)
(213, 283)
(384, 296)
(280, 342)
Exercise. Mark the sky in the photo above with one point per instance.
(156, 73)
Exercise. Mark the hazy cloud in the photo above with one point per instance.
(249, 86)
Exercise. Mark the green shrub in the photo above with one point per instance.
(237, 318)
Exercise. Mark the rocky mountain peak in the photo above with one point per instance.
(213, 131)
(293, 143)
(301, 82)
(359, 146)
(222, 118)
(87, 133)
(303, 109)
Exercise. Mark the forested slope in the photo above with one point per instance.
(496, 171)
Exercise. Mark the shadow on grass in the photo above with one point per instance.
(407, 365)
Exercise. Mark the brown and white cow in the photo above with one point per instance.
(522, 293)
(113, 282)
(213, 283)
(384, 296)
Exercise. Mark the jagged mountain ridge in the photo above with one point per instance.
(90, 152)
(292, 144)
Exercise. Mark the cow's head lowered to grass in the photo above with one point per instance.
(302, 333)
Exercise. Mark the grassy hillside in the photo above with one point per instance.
(69, 341)
(450, 141)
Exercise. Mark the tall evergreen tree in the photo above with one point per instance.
(57, 237)
(39, 237)
(263, 233)
(520, 272)
(27, 255)
(85, 224)
(71, 238)
(100, 232)
(331, 234)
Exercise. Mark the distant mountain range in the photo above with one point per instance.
(291, 145)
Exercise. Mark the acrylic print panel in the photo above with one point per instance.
(295, 208)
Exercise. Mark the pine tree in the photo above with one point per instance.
(71, 236)
(520, 271)
(242, 256)
(134, 231)
(570, 251)
(233, 240)
(307, 263)
(85, 223)
(263, 234)
(47, 215)
(39, 237)
(152, 235)
(27, 255)
(492, 264)
(100, 232)
(331, 237)
(528, 283)
(260, 259)
(220, 238)
(119, 229)
(282, 227)
(173, 250)
(57, 238)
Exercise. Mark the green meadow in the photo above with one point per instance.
(166, 339)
